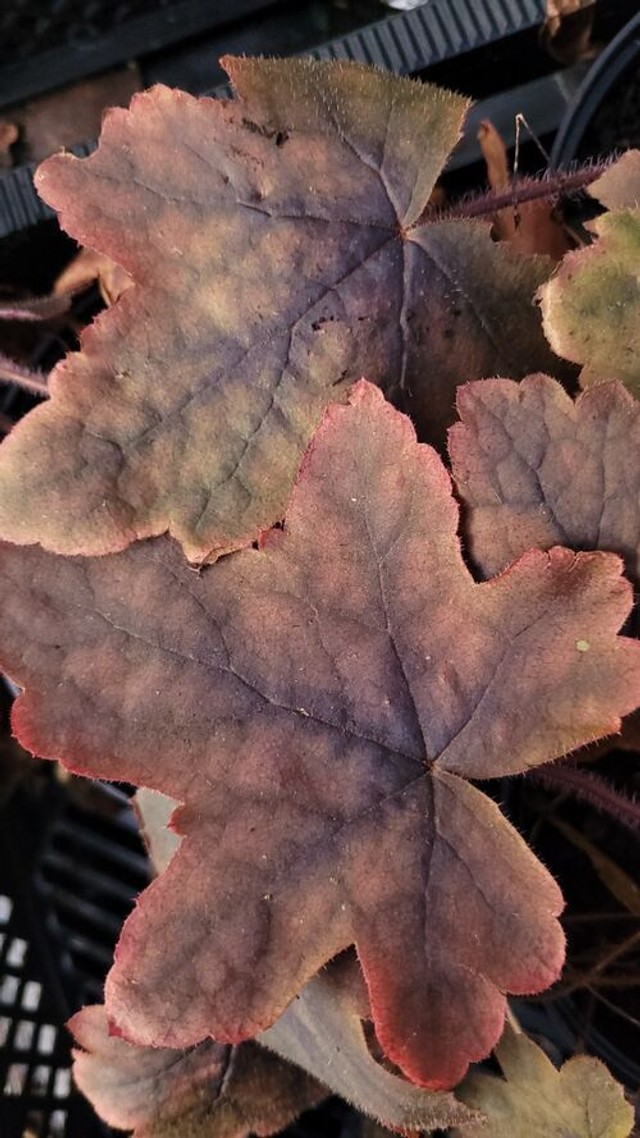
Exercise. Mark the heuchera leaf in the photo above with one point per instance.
(278, 251)
(321, 1031)
(211, 1091)
(581, 1100)
(319, 706)
(536, 469)
(591, 306)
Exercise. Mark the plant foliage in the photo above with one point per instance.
(319, 706)
(211, 1091)
(591, 307)
(534, 1098)
(536, 469)
(281, 248)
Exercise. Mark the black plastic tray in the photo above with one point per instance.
(404, 43)
(93, 36)
(619, 56)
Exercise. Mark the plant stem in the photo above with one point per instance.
(36, 308)
(32, 381)
(588, 978)
(590, 788)
(555, 184)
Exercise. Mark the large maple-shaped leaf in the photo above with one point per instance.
(278, 254)
(322, 1031)
(535, 468)
(210, 1091)
(591, 306)
(319, 706)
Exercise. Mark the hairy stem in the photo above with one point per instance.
(588, 978)
(33, 381)
(555, 184)
(590, 788)
(36, 308)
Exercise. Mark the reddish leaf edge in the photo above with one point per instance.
(198, 1097)
(92, 334)
(402, 1057)
(360, 391)
(363, 390)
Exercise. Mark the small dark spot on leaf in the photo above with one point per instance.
(317, 324)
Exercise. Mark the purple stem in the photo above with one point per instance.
(33, 381)
(555, 184)
(36, 308)
(590, 788)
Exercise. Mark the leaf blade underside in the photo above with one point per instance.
(278, 254)
(212, 1091)
(321, 703)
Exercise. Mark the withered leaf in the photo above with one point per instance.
(279, 252)
(154, 811)
(567, 30)
(318, 705)
(89, 267)
(591, 306)
(617, 881)
(211, 1091)
(535, 468)
(535, 1100)
(531, 227)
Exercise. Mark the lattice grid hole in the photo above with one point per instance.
(36, 1074)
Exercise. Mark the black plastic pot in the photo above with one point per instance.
(619, 60)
